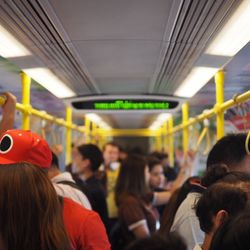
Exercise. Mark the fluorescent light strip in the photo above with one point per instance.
(159, 121)
(9, 46)
(197, 78)
(234, 35)
(98, 120)
(49, 81)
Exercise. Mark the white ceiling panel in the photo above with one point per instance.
(113, 19)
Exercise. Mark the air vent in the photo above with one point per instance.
(30, 23)
(196, 24)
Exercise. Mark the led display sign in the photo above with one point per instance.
(125, 104)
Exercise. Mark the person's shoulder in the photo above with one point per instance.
(75, 208)
(128, 200)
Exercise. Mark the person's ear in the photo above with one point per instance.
(86, 162)
(220, 218)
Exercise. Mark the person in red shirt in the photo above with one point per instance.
(84, 227)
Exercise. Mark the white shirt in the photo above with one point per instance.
(186, 223)
(65, 190)
(197, 247)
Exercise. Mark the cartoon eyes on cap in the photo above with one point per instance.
(6, 144)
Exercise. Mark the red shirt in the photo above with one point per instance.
(84, 227)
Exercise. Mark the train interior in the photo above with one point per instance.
(123, 50)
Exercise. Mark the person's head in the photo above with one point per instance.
(110, 153)
(132, 178)
(230, 150)
(88, 157)
(222, 200)
(157, 242)
(30, 212)
(157, 178)
(31, 215)
(54, 169)
(234, 234)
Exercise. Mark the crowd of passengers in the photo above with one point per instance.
(112, 199)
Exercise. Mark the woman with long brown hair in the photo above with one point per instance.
(135, 201)
(30, 211)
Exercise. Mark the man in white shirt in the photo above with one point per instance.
(64, 184)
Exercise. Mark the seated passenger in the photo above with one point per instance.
(137, 215)
(87, 160)
(230, 150)
(84, 227)
(30, 211)
(156, 242)
(234, 234)
(223, 200)
(64, 184)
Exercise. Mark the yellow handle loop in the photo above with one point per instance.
(247, 143)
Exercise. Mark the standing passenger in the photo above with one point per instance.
(64, 184)
(84, 227)
(109, 173)
(135, 201)
(87, 160)
(229, 150)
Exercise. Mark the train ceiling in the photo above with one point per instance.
(120, 47)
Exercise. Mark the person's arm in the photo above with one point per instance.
(8, 113)
(161, 198)
(141, 231)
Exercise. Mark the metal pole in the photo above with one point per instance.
(219, 83)
(185, 133)
(171, 141)
(26, 80)
(68, 134)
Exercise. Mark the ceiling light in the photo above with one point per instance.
(94, 118)
(159, 121)
(98, 120)
(197, 78)
(9, 46)
(49, 81)
(234, 35)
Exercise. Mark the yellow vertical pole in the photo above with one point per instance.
(165, 140)
(219, 82)
(94, 133)
(171, 140)
(68, 134)
(185, 133)
(26, 80)
(158, 141)
(87, 129)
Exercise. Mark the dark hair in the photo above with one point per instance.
(213, 174)
(152, 162)
(231, 197)
(30, 211)
(160, 156)
(54, 162)
(234, 234)
(174, 202)
(229, 150)
(131, 178)
(157, 242)
(113, 144)
(93, 154)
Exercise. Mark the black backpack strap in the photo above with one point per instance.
(70, 183)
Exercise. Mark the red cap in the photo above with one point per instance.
(24, 146)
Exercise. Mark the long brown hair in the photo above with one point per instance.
(131, 178)
(30, 211)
